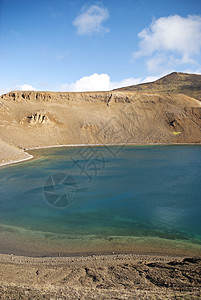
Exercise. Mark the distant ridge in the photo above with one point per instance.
(176, 83)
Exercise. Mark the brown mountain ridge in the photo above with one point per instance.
(187, 84)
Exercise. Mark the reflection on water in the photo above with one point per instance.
(143, 192)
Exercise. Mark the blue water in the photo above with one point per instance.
(104, 192)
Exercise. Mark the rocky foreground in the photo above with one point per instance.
(100, 277)
(137, 116)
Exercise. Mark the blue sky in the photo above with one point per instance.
(74, 45)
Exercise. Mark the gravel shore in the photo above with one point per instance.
(100, 277)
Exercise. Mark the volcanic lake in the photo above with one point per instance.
(107, 199)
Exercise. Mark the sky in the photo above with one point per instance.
(78, 45)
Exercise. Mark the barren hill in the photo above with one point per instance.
(187, 84)
(35, 119)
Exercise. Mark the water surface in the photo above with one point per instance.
(128, 199)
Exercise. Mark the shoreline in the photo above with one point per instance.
(17, 161)
(102, 145)
(89, 255)
(5, 258)
(30, 157)
(17, 240)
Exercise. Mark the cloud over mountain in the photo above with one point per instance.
(25, 87)
(98, 82)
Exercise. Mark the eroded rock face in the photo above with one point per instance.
(28, 96)
(41, 117)
(94, 97)
(174, 122)
(38, 118)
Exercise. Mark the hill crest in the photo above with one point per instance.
(176, 83)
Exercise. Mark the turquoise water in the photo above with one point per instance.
(110, 197)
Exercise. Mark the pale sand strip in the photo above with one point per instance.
(83, 145)
(29, 156)
(10, 154)
(17, 160)
(117, 145)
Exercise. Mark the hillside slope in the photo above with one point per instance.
(35, 119)
(187, 84)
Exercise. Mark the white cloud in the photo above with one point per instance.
(97, 82)
(25, 87)
(93, 82)
(172, 41)
(90, 20)
(124, 82)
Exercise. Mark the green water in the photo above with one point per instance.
(102, 199)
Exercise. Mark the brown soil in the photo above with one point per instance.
(100, 277)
